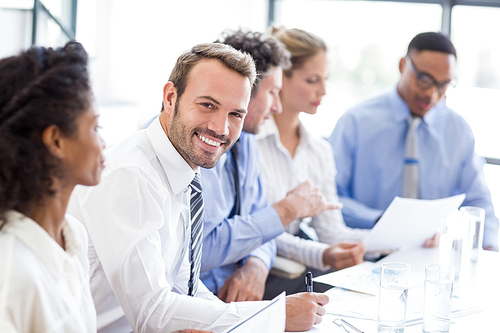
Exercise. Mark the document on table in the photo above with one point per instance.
(363, 278)
(409, 222)
(270, 318)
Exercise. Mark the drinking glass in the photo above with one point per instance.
(453, 242)
(437, 298)
(394, 277)
(475, 216)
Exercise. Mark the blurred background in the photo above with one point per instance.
(133, 46)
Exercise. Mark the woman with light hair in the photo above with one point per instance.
(290, 155)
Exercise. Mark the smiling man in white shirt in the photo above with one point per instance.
(138, 218)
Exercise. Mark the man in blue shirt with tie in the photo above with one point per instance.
(237, 270)
(407, 142)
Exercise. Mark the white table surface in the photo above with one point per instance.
(478, 284)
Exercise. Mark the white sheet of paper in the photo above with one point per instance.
(417, 258)
(270, 318)
(410, 222)
(363, 278)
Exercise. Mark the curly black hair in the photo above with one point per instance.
(38, 88)
(267, 51)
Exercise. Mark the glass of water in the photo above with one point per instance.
(453, 242)
(437, 298)
(394, 278)
(475, 216)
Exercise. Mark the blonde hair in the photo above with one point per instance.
(301, 44)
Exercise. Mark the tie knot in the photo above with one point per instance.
(414, 121)
(196, 183)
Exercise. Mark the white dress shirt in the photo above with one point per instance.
(44, 288)
(280, 173)
(138, 223)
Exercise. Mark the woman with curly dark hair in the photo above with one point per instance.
(49, 143)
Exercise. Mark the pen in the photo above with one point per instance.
(343, 322)
(309, 282)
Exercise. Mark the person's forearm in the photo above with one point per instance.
(357, 215)
(302, 250)
(266, 252)
(285, 211)
(258, 264)
(245, 234)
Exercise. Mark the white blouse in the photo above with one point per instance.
(44, 288)
(281, 173)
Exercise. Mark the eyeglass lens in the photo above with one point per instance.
(425, 81)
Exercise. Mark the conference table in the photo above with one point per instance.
(475, 303)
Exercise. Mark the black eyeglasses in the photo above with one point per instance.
(425, 81)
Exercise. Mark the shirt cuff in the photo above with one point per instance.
(268, 223)
(266, 253)
(320, 248)
(489, 239)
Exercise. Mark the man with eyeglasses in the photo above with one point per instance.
(407, 142)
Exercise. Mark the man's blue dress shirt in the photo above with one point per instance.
(228, 240)
(369, 143)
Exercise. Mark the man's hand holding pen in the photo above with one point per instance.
(304, 310)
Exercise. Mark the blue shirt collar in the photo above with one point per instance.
(401, 110)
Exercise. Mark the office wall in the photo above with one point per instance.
(134, 45)
(15, 30)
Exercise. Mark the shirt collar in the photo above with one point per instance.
(401, 110)
(179, 173)
(304, 135)
(34, 237)
(270, 129)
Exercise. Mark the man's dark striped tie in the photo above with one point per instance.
(196, 204)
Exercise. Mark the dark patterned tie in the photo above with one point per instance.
(410, 174)
(196, 204)
(237, 196)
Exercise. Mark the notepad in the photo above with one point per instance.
(270, 318)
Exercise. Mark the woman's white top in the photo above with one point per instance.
(280, 173)
(44, 288)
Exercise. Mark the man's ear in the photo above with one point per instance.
(169, 97)
(402, 63)
(53, 140)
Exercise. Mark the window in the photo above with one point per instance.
(475, 33)
(54, 22)
(366, 39)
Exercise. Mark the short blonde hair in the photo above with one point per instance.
(301, 44)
